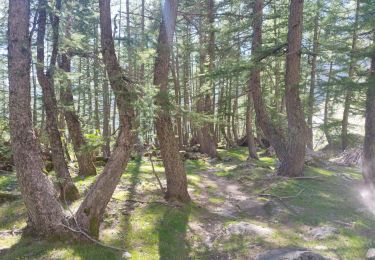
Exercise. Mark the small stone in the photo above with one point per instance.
(370, 254)
(245, 228)
(126, 255)
(320, 233)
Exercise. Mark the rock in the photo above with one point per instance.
(370, 254)
(324, 232)
(226, 213)
(246, 165)
(289, 254)
(227, 159)
(245, 228)
(191, 156)
(345, 176)
(126, 255)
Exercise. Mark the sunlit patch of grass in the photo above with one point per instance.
(158, 231)
(12, 215)
(216, 200)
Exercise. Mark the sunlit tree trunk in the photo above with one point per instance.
(40, 198)
(84, 157)
(68, 190)
(90, 213)
(173, 164)
(311, 99)
(293, 161)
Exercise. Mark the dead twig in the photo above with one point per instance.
(280, 198)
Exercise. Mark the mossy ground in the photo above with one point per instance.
(138, 219)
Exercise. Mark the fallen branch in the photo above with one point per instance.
(150, 202)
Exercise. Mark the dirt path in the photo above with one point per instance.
(233, 201)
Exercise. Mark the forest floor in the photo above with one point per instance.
(239, 209)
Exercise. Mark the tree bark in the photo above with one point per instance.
(326, 106)
(84, 157)
(43, 208)
(205, 132)
(106, 149)
(348, 92)
(272, 133)
(173, 164)
(249, 130)
(68, 191)
(90, 213)
(311, 100)
(293, 162)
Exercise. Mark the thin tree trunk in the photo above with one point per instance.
(249, 129)
(326, 106)
(106, 149)
(84, 157)
(310, 141)
(68, 191)
(96, 85)
(43, 208)
(235, 116)
(176, 81)
(348, 92)
(173, 164)
(35, 96)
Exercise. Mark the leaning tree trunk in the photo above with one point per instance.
(293, 161)
(169, 147)
(270, 130)
(84, 158)
(68, 191)
(368, 161)
(90, 213)
(43, 208)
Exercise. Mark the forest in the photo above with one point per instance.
(187, 129)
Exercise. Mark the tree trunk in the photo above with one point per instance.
(293, 162)
(326, 106)
(68, 191)
(39, 195)
(368, 162)
(310, 141)
(84, 157)
(272, 133)
(249, 130)
(176, 80)
(348, 92)
(205, 133)
(106, 149)
(173, 164)
(90, 213)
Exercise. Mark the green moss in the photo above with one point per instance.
(94, 226)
